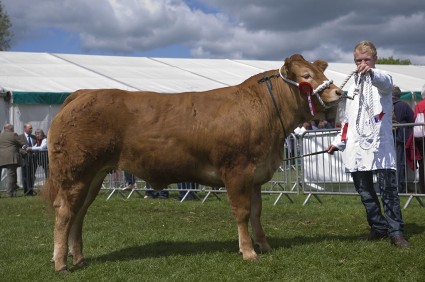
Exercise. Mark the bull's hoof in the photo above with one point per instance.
(62, 270)
(250, 256)
(80, 263)
(264, 248)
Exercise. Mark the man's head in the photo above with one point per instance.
(396, 93)
(365, 52)
(28, 128)
(8, 127)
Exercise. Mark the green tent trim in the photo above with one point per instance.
(415, 95)
(45, 98)
(57, 98)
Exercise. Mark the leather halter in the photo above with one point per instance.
(266, 79)
(316, 92)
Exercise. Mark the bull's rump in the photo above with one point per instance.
(163, 138)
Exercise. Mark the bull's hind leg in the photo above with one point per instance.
(75, 239)
(238, 191)
(63, 220)
(67, 205)
(257, 228)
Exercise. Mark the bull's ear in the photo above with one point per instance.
(321, 64)
(286, 67)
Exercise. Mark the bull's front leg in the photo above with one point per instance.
(240, 199)
(257, 228)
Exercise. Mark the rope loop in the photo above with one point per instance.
(366, 121)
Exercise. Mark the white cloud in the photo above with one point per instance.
(271, 29)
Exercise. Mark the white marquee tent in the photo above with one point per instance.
(39, 82)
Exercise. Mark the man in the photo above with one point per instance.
(10, 158)
(29, 164)
(403, 113)
(366, 140)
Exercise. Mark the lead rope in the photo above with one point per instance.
(366, 122)
(347, 79)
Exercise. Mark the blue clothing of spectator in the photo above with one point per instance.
(156, 194)
(184, 186)
(403, 113)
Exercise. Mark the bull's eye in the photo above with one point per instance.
(306, 76)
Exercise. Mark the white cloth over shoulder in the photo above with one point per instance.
(381, 155)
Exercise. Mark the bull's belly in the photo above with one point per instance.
(262, 174)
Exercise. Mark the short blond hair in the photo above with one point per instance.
(366, 46)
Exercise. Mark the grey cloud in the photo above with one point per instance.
(270, 29)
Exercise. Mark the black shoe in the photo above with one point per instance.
(399, 241)
(375, 235)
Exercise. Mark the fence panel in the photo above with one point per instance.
(314, 175)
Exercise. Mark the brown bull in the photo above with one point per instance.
(231, 137)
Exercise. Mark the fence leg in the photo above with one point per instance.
(420, 201)
(208, 194)
(280, 196)
(132, 191)
(309, 196)
(410, 199)
(113, 192)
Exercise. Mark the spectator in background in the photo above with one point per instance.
(419, 142)
(29, 163)
(130, 181)
(40, 151)
(403, 113)
(324, 124)
(302, 128)
(298, 131)
(153, 194)
(10, 157)
(313, 125)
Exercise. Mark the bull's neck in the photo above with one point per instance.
(293, 108)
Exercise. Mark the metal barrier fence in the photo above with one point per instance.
(324, 174)
(313, 175)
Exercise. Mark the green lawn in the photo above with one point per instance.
(165, 240)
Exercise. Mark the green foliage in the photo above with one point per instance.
(165, 240)
(392, 61)
(5, 32)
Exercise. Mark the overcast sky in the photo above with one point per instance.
(232, 29)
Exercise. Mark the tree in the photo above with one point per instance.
(5, 33)
(392, 61)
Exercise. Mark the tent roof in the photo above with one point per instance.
(64, 73)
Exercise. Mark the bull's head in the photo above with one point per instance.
(311, 81)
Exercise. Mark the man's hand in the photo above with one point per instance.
(363, 68)
(332, 149)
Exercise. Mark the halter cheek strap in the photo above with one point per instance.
(306, 89)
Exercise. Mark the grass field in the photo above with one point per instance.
(165, 240)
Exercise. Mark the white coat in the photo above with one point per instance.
(361, 153)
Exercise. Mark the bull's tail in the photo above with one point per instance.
(49, 191)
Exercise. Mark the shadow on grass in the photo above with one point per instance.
(164, 248)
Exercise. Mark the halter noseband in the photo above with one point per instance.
(302, 86)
